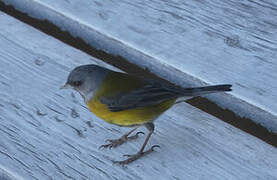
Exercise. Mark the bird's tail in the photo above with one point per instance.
(206, 90)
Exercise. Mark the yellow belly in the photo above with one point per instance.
(116, 83)
(129, 117)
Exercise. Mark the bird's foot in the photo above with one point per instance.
(117, 142)
(133, 157)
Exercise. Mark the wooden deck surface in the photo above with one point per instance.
(187, 42)
(49, 134)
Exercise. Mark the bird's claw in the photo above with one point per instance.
(113, 143)
(145, 152)
(133, 157)
(155, 146)
(135, 136)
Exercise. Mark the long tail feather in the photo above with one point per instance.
(206, 90)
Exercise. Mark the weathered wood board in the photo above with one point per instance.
(47, 133)
(187, 42)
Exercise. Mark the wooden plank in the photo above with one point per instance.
(49, 134)
(189, 43)
(6, 175)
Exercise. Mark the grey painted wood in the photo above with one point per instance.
(49, 134)
(187, 42)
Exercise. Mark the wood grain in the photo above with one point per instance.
(189, 42)
(47, 133)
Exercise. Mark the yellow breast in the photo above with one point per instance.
(118, 82)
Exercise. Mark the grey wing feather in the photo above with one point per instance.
(148, 95)
(154, 93)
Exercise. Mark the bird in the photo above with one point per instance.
(127, 100)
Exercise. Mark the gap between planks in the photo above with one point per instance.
(204, 104)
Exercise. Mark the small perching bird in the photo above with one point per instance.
(127, 100)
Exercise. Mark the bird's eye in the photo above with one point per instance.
(77, 83)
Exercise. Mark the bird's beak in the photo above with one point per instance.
(66, 86)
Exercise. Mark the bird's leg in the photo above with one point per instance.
(140, 153)
(116, 142)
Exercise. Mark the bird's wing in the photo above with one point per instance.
(150, 94)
